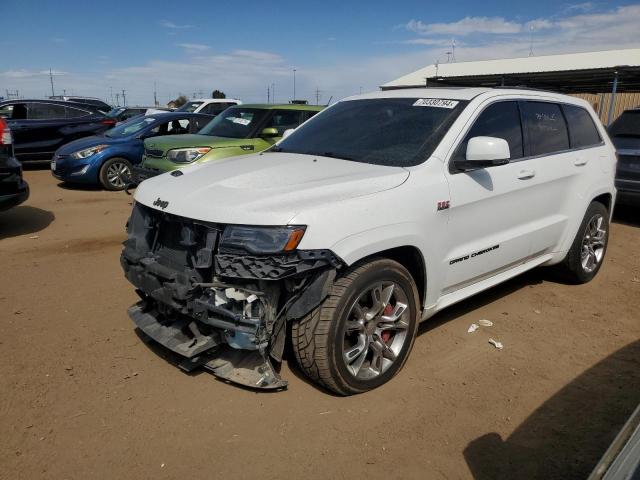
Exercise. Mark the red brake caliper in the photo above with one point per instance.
(386, 335)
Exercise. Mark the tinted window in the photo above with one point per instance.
(582, 130)
(384, 131)
(283, 120)
(236, 122)
(214, 108)
(626, 125)
(75, 113)
(546, 127)
(189, 107)
(500, 120)
(6, 111)
(45, 111)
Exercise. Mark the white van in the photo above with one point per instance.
(380, 211)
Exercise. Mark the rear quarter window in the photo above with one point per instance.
(582, 131)
(546, 128)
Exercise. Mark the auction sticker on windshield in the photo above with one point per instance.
(435, 102)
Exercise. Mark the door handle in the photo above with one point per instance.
(526, 174)
(581, 162)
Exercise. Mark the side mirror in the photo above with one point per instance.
(269, 132)
(288, 132)
(484, 152)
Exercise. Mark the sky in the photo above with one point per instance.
(338, 48)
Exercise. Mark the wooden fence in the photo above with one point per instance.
(601, 102)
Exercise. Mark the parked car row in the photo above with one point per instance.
(13, 188)
(369, 218)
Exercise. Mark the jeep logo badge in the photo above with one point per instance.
(160, 203)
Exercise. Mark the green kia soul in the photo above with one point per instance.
(238, 130)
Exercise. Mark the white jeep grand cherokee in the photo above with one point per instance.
(371, 217)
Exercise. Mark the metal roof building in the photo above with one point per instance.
(593, 72)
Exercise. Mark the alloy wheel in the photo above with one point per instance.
(376, 330)
(118, 174)
(593, 243)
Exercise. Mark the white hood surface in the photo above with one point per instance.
(267, 189)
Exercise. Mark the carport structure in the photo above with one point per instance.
(610, 71)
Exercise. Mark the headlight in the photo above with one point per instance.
(263, 239)
(87, 152)
(187, 155)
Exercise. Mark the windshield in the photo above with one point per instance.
(113, 113)
(190, 107)
(234, 122)
(388, 131)
(130, 127)
(626, 125)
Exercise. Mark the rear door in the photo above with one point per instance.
(37, 135)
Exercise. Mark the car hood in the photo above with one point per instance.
(88, 142)
(182, 141)
(264, 189)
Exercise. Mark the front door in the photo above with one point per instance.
(491, 209)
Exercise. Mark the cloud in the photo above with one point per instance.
(26, 74)
(193, 47)
(465, 26)
(58, 40)
(246, 73)
(174, 26)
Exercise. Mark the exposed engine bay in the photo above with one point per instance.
(209, 296)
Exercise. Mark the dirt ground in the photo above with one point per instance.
(81, 396)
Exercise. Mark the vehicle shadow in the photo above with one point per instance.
(80, 186)
(36, 165)
(24, 220)
(532, 277)
(568, 434)
(627, 215)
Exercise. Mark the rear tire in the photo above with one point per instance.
(116, 173)
(585, 257)
(361, 334)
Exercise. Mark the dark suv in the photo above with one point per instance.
(13, 189)
(625, 135)
(40, 127)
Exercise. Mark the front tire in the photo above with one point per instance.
(585, 257)
(361, 334)
(116, 173)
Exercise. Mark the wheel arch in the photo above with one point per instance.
(411, 258)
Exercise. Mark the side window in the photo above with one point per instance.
(582, 130)
(75, 112)
(178, 127)
(285, 119)
(214, 108)
(501, 120)
(197, 123)
(45, 111)
(7, 111)
(546, 128)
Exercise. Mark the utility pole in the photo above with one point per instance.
(117, 99)
(124, 99)
(273, 92)
(360, 90)
(111, 93)
(268, 95)
(294, 84)
(51, 79)
(317, 96)
(155, 95)
(531, 40)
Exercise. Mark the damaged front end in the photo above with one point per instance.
(220, 295)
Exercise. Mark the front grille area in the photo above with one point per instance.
(153, 153)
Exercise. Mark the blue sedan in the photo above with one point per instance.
(108, 159)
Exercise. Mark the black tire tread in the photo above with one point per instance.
(310, 335)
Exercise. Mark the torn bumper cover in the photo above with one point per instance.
(223, 310)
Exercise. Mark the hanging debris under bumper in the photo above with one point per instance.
(219, 309)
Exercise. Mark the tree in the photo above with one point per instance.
(180, 101)
(218, 94)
